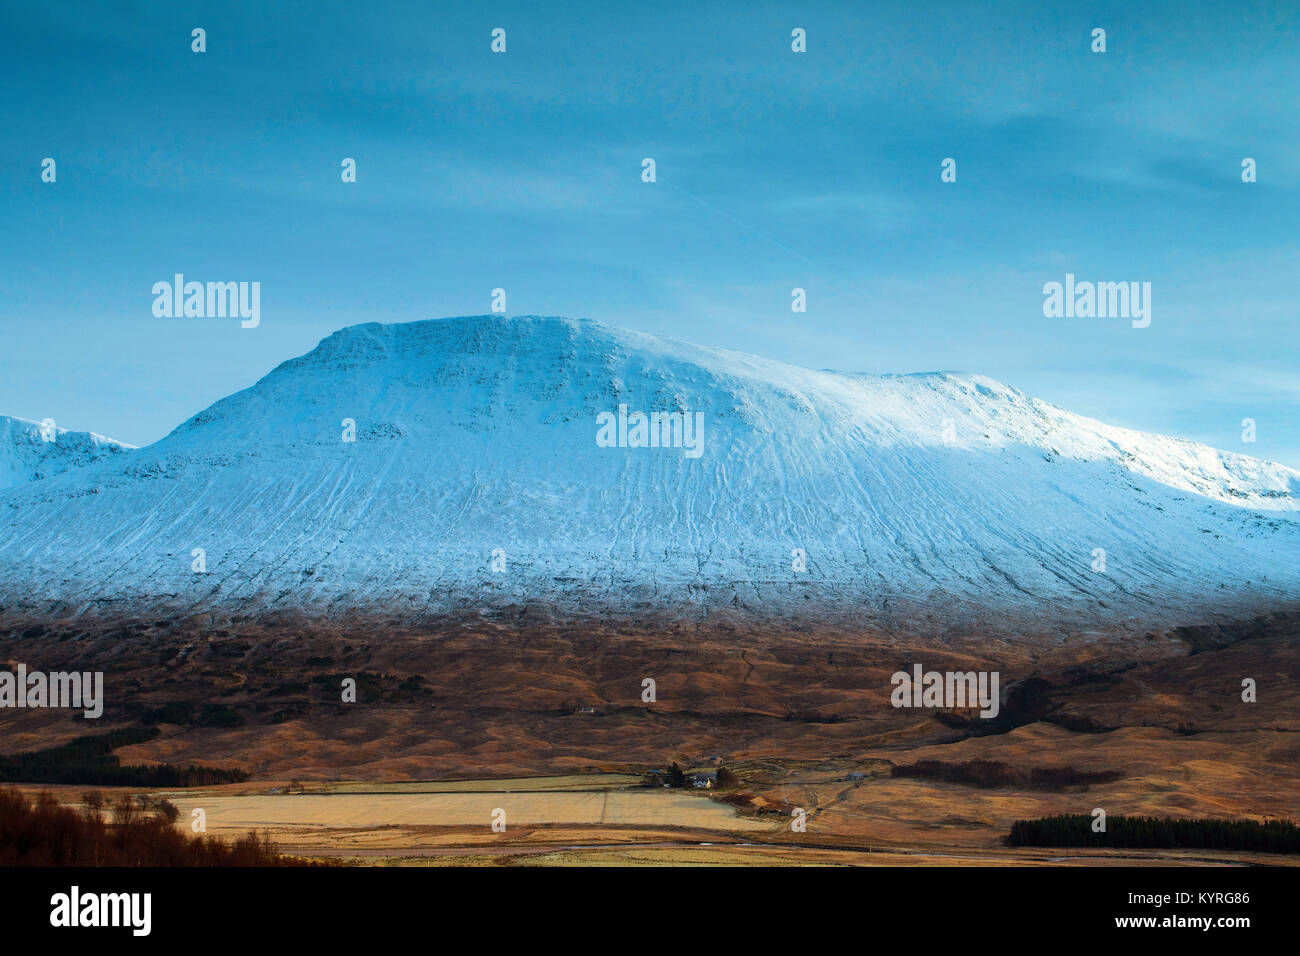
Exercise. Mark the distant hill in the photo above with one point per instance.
(30, 451)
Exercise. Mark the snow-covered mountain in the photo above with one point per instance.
(918, 501)
(31, 451)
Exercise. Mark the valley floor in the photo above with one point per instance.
(596, 820)
(547, 725)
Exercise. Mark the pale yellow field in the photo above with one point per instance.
(574, 781)
(878, 821)
(471, 810)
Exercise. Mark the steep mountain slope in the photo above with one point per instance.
(30, 451)
(920, 501)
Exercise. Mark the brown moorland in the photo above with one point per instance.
(799, 716)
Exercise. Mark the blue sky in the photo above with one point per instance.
(775, 170)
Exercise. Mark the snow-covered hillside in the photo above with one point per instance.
(30, 451)
(918, 500)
